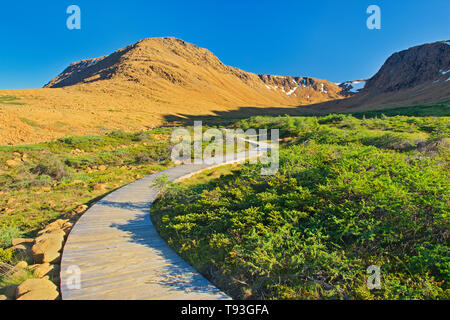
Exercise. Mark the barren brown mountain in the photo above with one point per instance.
(418, 75)
(142, 85)
(135, 87)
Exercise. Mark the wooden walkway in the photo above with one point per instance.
(119, 254)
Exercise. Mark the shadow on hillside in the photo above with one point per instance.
(222, 117)
(350, 106)
(174, 274)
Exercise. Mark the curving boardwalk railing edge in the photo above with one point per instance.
(114, 252)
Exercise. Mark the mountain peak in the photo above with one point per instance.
(412, 67)
(167, 66)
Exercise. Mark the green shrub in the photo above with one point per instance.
(6, 255)
(7, 234)
(351, 193)
(52, 179)
(390, 141)
(52, 167)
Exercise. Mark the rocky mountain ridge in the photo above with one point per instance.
(176, 64)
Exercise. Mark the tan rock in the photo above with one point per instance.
(54, 226)
(45, 269)
(47, 294)
(67, 227)
(37, 289)
(51, 204)
(100, 187)
(23, 251)
(18, 273)
(47, 247)
(81, 209)
(21, 265)
(67, 224)
(18, 241)
(20, 247)
(50, 235)
(102, 168)
(76, 152)
(52, 230)
(16, 154)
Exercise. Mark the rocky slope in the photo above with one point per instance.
(418, 75)
(142, 86)
(163, 67)
(167, 79)
(409, 68)
(352, 87)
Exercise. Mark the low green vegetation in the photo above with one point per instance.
(12, 276)
(351, 192)
(10, 100)
(46, 181)
(7, 234)
(61, 178)
(31, 123)
(441, 109)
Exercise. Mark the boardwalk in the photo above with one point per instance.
(120, 255)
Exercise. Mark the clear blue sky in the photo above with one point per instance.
(323, 39)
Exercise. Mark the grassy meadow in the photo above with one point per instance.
(62, 178)
(351, 192)
(10, 100)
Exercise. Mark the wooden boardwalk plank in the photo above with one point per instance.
(120, 254)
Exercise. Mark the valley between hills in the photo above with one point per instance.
(363, 181)
(160, 81)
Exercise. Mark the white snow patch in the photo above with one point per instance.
(94, 62)
(292, 91)
(89, 63)
(357, 86)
